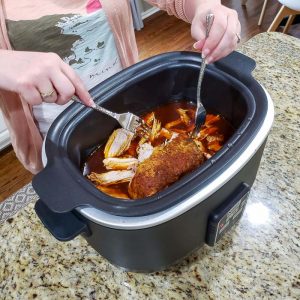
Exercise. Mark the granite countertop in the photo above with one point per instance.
(258, 259)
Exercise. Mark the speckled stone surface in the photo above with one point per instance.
(258, 259)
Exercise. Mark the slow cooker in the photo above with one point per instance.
(150, 234)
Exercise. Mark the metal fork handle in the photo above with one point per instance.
(201, 74)
(200, 110)
(209, 21)
(98, 108)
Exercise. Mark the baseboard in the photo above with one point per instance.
(149, 12)
(4, 139)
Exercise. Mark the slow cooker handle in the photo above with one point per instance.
(63, 226)
(238, 65)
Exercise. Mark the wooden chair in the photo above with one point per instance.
(289, 8)
(263, 11)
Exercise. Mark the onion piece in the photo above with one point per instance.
(118, 163)
(111, 177)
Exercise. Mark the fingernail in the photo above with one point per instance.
(205, 52)
(92, 103)
(196, 45)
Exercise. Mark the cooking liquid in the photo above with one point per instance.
(165, 114)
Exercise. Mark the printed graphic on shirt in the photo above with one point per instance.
(94, 54)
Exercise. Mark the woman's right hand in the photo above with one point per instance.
(39, 77)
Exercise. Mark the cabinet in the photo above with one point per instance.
(147, 9)
(4, 136)
(140, 10)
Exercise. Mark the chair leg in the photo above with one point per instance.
(289, 23)
(263, 11)
(283, 12)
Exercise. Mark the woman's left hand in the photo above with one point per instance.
(224, 34)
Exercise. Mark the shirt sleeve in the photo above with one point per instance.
(172, 7)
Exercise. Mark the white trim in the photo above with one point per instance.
(134, 223)
(4, 139)
(149, 12)
(44, 156)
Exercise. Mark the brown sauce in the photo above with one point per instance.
(165, 114)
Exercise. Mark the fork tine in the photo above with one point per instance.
(143, 130)
(146, 129)
(141, 123)
(142, 134)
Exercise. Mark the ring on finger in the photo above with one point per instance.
(47, 94)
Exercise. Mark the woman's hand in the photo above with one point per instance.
(225, 31)
(39, 77)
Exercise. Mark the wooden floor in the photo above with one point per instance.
(161, 33)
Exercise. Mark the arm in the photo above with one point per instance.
(38, 77)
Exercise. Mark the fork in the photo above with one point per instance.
(200, 114)
(128, 120)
